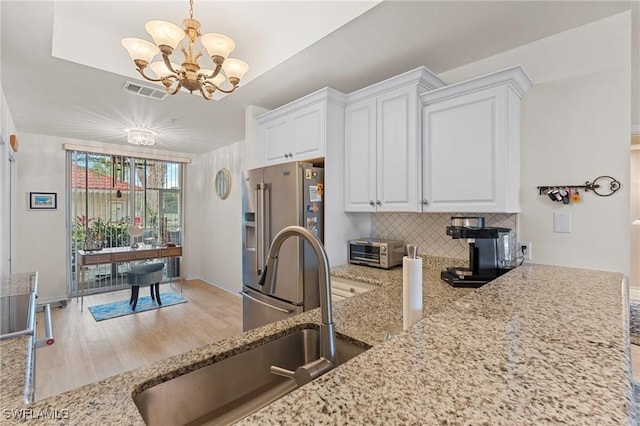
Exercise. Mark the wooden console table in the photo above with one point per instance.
(115, 255)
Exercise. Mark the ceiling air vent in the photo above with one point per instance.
(145, 91)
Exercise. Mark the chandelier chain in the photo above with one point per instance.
(191, 9)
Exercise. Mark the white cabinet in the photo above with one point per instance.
(360, 156)
(382, 144)
(298, 130)
(471, 144)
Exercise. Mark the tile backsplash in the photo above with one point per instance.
(427, 230)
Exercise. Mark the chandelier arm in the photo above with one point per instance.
(214, 73)
(147, 77)
(216, 87)
(204, 95)
(177, 89)
(167, 63)
(227, 91)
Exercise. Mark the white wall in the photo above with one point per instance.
(6, 155)
(634, 274)
(253, 151)
(213, 226)
(41, 242)
(575, 127)
(6, 128)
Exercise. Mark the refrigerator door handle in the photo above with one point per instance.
(266, 224)
(259, 228)
(259, 222)
(285, 311)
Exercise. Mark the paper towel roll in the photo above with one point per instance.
(411, 291)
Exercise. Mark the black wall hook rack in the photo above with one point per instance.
(598, 186)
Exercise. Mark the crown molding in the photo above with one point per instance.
(327, 94)
(515, 77)
(421, 76)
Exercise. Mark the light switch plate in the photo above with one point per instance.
(561, 222)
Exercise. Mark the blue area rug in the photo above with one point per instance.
(119, 309)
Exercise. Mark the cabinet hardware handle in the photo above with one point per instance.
(378, 202)
(286, 155)
(371, 203)
(290, 155)
(425, 202)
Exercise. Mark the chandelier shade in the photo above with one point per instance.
(189, 75)
(165, 33)
(160, 69)
(140, 49)
(235, 68)
(144, 137)
(218, 44)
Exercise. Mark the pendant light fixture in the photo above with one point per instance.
(189, 75)
(144, 137)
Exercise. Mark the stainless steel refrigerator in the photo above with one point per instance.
(275, 197)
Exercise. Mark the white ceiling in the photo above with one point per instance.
(55, 84)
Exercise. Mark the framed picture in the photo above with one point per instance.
(43, 201)
(117, 210)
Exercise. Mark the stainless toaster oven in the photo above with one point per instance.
(376, 252)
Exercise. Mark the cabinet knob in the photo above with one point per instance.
(425, 202)
(378, 202)
(290, 155)
(286, 155)
(371, 203)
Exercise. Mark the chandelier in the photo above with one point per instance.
(189, 75)
(141, 137)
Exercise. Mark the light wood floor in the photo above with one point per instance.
(86, 351)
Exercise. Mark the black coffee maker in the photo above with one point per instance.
(491, 252)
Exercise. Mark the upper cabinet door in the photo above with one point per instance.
(308, 129)
(382, 152)
(276, 140)
(397, 150)
(471, 144)
(465, 153)
(360, 156)
(298, 130)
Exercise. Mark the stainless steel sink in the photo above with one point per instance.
(235, 387)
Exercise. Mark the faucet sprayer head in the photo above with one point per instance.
(268, 276)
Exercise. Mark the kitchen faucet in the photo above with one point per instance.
(327, 361)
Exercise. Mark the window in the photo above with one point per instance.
(106, 194)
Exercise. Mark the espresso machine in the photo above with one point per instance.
(492, 252)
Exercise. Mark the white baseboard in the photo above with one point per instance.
(221, 287)
(634, 293)
(55, 300)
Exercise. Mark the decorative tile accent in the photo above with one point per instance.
(427, 230)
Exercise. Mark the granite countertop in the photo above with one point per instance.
(541, 344)
(14, 284)
(14, 351)
(13, 370)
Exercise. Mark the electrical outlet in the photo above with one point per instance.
(524, 248)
